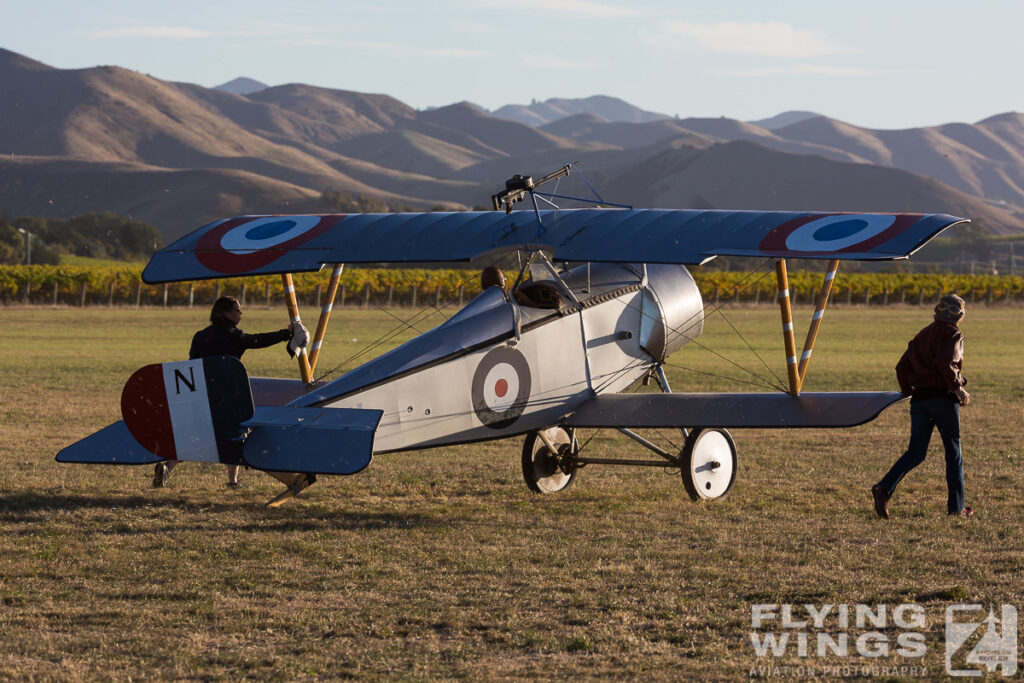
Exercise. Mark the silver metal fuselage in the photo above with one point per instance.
(497, 369)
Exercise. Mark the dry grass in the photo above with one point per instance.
(441, 564)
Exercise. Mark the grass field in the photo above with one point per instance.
(440, 564)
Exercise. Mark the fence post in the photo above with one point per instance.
(414, 296)
(757, 295)
(243, 293)
(903, 295)
(391, 291)
(218, 292)
(165, 295)
(110, 294)
(138, 294)
(867, 296)
(988, 297)
(266, 294)
(81, 301)
(55, 293)
(716, 295)
(920, 297)
(437, 297)
(342, 304)
(28, 290)
(191, 293)
(885, 296)
(319, 295)
(461, 287)
(849, 295)
(366, 295)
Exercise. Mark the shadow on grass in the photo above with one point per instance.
(30, 506)
(20, 506)
(345, 521)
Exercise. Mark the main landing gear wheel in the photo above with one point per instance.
(708, 462)
(547, 472)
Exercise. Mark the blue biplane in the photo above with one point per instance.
(602, 299)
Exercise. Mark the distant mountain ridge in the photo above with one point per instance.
(551, 110)
(242, 86)
(178, 155)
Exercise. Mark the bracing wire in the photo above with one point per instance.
(409, 323)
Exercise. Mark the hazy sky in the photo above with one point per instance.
(881, 64)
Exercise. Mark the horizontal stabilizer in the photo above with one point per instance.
(311, 440)
(112, 445)
(732, 411)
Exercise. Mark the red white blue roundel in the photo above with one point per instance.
(244, 244)
(501, 387)
(836, 233)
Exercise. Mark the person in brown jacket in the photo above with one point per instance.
(930, 373)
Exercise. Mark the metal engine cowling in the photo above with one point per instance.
(673, 310)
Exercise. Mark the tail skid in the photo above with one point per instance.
(295, 481)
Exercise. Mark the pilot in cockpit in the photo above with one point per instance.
(531, 294)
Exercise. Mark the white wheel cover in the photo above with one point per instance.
(712, 447)
(559, 480)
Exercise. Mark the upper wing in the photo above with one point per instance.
(249, 245)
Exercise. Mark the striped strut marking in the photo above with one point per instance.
(805, 355)
(830, 275)
(327, 308)
(316, 345)
(783, 294)
(818, 314)
(791, 360)
(296, 319)
(290, 288)
(787, 327)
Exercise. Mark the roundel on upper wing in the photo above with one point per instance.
(247, 243)
(501, 387)
(836, 233)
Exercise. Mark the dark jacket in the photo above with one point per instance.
(228, 340)
(933, 360)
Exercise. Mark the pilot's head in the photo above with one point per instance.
(950, 309)
(492, 277)
(226, 312)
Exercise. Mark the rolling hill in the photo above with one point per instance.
(177, 154)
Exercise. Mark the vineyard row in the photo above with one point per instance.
(83, 286)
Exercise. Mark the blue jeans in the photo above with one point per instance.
(942, 412)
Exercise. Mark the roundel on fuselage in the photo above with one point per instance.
(501, 387)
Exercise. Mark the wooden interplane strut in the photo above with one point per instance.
(819, 313)
(325, 315)
(293, 313)
(797, 368)
(787, 326)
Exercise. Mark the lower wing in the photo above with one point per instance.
(756, 410)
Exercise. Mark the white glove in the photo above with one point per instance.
(299, 340)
